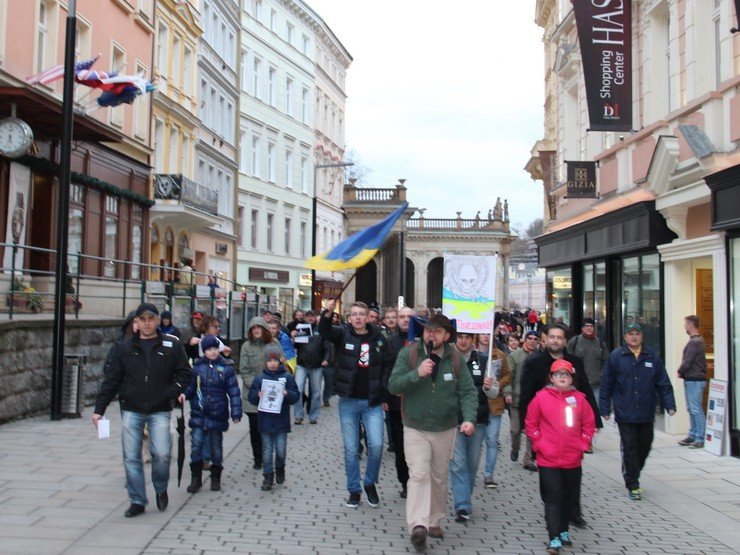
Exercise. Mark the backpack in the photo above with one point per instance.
(457, 360)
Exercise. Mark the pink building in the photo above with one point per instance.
(110, 192)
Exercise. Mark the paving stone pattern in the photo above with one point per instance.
(307, 513)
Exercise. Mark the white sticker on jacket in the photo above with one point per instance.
(282, 380)
(349, 346)
(476, 372)
(166, 343)
(648, 365)
(448, 377)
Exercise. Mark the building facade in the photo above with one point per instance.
(650, 247)
(331, 62)
(110, 189)
(276, 139)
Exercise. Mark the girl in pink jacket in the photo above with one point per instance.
(560, 424)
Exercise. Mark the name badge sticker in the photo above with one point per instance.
(166, 343)
(476, 372)
(349, 346)
(648, 365)
(281, 380)
(571, 401)
(448, 377)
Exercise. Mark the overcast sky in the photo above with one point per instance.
(447, 95)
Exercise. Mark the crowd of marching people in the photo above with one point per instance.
(437, 394)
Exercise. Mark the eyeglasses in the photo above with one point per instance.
(561, 374)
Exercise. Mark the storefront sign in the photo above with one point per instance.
(716, 411)
(581, 179)
(605, 36)
(562, 282)
(305, 280)
(263, 274)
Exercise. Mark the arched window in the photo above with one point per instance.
(154, 235)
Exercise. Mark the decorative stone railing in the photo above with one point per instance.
(361, 194)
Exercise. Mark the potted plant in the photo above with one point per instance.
(30, 297)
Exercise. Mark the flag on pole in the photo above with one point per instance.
(57, 72)
(358, 249)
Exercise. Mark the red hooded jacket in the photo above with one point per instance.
(560, 425)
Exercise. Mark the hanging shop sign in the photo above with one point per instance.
(605, 36)
(264, 274)
(581, 179)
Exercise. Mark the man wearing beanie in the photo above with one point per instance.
(166, 326)
(147, 371)
(591, 350)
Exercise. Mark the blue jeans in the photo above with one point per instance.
(351, 413)
(494, 425)
(200, 440)
(277, 443)
(160, 448)
(694, 395)
(464, 466)
(314, 375)
(328, 383)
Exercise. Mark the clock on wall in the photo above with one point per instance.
(15, 137)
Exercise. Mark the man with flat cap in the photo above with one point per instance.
(147, 371)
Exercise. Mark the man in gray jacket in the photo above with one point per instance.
(592, 350)
(693, 372)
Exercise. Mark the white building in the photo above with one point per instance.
(216, 147)
(331, 61)
(276, 141)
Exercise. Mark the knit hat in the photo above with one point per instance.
(166, 315)
(209, 342)
(531, 332)
(562, 365)
(588, 321)
(272, 352)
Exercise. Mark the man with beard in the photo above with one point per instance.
(535, 376)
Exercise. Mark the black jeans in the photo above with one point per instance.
(636, 442)
(395, 430)
(560, 489)
(255, 437)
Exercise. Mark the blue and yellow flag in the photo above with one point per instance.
(358, 249)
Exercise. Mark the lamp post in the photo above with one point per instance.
(60, 290)
(316, 169)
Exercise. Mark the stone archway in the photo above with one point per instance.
(435, 273)
(366, 283)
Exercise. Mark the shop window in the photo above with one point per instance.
(641, 296)
(111, 236)
(594, 296)
(560, 295)
(734, 253)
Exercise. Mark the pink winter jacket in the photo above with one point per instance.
(560, 425)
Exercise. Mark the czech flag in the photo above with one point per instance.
(358, 249)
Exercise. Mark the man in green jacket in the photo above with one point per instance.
(437, 392)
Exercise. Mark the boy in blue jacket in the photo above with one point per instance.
(212, 389)
(274, 427)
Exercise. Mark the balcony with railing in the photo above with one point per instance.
(364, 195)
(183, 201)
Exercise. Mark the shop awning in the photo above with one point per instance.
(44, 114)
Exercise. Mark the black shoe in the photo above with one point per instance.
(419, 538)
(462, 515)
(578, 522)
(134, 510)
(216, 477)
(687, 441)
(196, 481)
(372, 495)
(531, 467)
(162, 500)
(280, 475)
(354, 500)
(267, 482)
(327, 404)
(514, 455)
(404, 492)
(257, 464)
(391, 449)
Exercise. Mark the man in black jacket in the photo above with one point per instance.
(312, 358)
(363, 365)
(148, 372)
(535, 375)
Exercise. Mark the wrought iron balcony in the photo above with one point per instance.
(175, 186)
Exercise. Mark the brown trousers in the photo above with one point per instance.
(428, 456)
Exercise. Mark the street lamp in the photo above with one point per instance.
(316, 169)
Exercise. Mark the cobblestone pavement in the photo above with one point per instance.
(62, 491)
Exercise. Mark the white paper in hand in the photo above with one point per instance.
(272, 397)
(103, 428)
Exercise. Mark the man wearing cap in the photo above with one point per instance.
(166, 326)
(437, 389)
(147, 371)
(633, 375)
(592, 350)
(516, 364)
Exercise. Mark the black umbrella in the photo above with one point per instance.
(180, 443)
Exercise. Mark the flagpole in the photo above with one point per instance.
(60, 290)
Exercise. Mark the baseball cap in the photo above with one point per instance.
(632, 326)
(562, 365)
(147, 307)
(531, 333)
